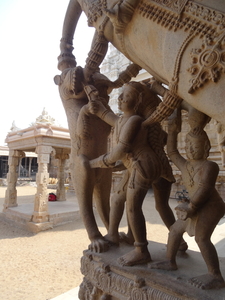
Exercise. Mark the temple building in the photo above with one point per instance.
(42, 142)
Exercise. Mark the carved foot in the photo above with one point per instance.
(112, 239)
(135, 257)
(99, 245)
(208, 282)
(126, 238)
(164, 265)
(183, 246)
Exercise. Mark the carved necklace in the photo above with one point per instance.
(193, 171)
(121, 122)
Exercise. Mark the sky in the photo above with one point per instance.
(30, 34)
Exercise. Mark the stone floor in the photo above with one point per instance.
(70, 295)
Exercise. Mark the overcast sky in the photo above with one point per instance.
(30, 33)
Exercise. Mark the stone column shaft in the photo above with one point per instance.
(41, 214)
(60, 192)
(11, 192)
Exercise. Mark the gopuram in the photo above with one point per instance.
(181, 43)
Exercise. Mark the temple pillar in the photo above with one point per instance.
(60, 192)
(40, 217)
(12, 176)
(30, 162)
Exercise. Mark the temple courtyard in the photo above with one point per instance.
(46, 265)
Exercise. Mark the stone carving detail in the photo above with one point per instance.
(94, 12)
(172, 21)
(85, 94)
(206, 14)
(45, 118)
(208, 62)
(115, 282)
(175, 5)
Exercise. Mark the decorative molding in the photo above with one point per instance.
(205, 13)
(198, 20)
(208, 62)
(175, 5)
(114, 281)
(94, 11)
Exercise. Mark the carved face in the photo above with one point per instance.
(70, 83)
(196, 149)
(127, 100)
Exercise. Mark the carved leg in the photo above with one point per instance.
(174, 240)
(84, 180)
(203, 231)
(162, 190)
(117, 209)
(102, 194)
(136, 219)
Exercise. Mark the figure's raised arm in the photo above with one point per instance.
(97, 107)
(174, 127)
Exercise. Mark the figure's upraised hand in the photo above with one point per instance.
(174, 122)
(94, 107)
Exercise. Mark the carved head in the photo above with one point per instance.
(70, 83)
(197, 144)
(142, 99)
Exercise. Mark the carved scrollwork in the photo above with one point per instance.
(94, 11)
(205, 13)
(86, 289)
(208, 62)
(175, 5)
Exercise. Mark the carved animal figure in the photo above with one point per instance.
(182, 45)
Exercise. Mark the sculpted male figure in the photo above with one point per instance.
(141, 152)
(200, 216)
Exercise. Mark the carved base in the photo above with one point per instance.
(106, 279)
(37, 227)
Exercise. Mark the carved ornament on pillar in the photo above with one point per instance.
(40, 214)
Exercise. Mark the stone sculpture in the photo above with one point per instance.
(141, 151)
(200, 215)
(88, 140)
(221, 141)
(182, 45)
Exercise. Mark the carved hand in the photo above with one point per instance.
(96, 107)
(174, 122)
(184, 211)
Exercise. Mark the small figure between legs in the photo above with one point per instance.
(206, 207)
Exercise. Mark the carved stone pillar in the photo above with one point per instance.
(40, 218)
(60, 192)
(11, 192)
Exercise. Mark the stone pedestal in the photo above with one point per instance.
(105, 279)
(11, 192)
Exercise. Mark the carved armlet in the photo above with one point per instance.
(104, 113)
